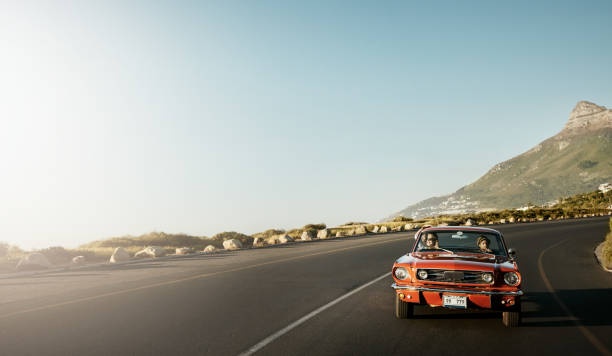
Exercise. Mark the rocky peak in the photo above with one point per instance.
(588, 116)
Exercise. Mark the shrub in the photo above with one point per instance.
(607, 248)
(228, 235)
(57, 255)
(401, 219)
(4, 248)
(314, 226)
(269, 233)
(587, 164)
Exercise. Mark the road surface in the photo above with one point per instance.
(226, 303)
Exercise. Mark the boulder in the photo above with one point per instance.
(383, 229)
(339, 234)
(540, 219)
(120, 255)
(361, 230)
(490, 223)
(33, 261)
(150, 251)
(232, 244)
(323, 234)
(307, 235)
(376, 229)
(209, 248)
(272, 241)
(408, 227)
(511, 220)
(258, 242)
(183, 251)
(397, 228)
(78, 260)
(284, 238)
(351, 232)
(502, 221)
(469, 222)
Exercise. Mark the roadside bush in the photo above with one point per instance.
(4, 248)
(607, 248)
(269, 233)
(401, 219)
(228, 235)
(314, 226)
(57, 255)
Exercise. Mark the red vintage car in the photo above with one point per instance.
(459, 267)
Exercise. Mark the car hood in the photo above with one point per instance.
(472, 262)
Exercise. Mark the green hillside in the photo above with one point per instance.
(577, 160)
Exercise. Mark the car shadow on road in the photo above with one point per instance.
(588, 307)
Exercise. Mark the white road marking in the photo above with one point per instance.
(303, 319)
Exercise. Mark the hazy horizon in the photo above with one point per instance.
(197, 118)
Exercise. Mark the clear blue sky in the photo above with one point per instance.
(200, 117)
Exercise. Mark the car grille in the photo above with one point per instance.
(453, 276)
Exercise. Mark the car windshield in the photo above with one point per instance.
(461, 241)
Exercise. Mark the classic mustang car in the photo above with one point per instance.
(459, 267)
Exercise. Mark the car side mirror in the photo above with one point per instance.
(512, 252)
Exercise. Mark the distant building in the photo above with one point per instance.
(605, 187)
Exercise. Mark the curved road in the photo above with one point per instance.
(226, 303)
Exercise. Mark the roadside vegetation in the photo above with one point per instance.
(578, 206)
(606, 253)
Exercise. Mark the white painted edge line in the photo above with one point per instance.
(253, 349)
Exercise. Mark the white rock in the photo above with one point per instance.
(408, 227)
(209, 248)
(306, 235)
(120, 255)
(502, 221)
(284, 238)
(383, 229)
(258, 242)
(376, 229)
(511, 220)
(232, 244)
(272, 241)
(351, 232)
(183, 251)
(339, 234)
(361, 230)
(397, 228)
(323, 234)
(78, 260)
(151, 251)
(34, 260)
(469, 222)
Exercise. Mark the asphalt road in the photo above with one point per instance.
(224, 304)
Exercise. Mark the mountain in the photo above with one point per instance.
(574, 161)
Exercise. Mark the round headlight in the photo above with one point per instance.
(487, 277)
(511, 278)
(422, 274)
(400, 273)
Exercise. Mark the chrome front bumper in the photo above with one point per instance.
(460, 291)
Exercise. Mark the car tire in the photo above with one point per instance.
(403, 310)
(512, 318)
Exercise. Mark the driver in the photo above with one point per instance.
(431, 241)
(483, 244)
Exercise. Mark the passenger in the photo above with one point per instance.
(431, 241)
(483, 244)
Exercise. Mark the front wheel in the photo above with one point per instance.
(403, 310)
(512, 319)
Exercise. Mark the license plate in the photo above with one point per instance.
(454, 301)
